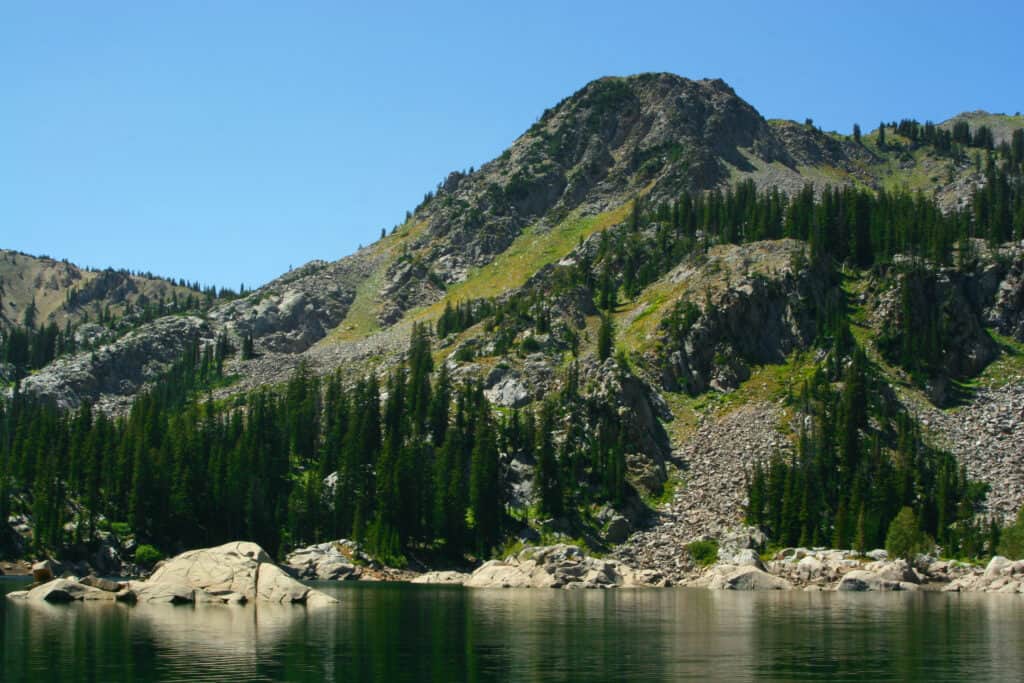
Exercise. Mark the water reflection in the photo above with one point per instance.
(414, 633)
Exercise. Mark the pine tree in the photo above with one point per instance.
(485, 487)
(605, 338)
(547, 478)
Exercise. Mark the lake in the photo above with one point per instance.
(395, 632)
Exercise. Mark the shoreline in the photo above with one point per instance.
(563, 566)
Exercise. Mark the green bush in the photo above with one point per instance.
(529, 345)
(704, 553)
(146, 555)
(1011, 540)
(905, 539)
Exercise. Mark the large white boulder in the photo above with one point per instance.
(231, 572)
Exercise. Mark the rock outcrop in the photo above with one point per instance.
(442, 578)
(121, 368)
(1000, 576)
(557, 566)
(233, 569)
(762, 318)
(331, 561)
(233, 573)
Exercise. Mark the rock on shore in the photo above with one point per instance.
(556, 566)
(849, 571)
(233, 573)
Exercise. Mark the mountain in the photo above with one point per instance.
(573, 173)
(65, 294)
(684, 284)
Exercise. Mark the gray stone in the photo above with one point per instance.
(753, 579)
(66, 590)
(43, 571)
(442, 578)
(102, 584)
(508, 392)
(862, 580)
(331, 561)
(995, 567)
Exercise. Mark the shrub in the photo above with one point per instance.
(529, 345)
(1011, 540)
(146, 555)
(905, 539)
(704, 553)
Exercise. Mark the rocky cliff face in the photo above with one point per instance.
(117, 371)
(960, 304)
(296, 310)
(761, 319)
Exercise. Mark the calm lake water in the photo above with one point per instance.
(397, 632)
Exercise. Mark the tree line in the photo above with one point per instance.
(412, 461)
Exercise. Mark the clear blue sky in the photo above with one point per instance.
(224, 141)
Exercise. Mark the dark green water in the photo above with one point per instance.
(418, 633)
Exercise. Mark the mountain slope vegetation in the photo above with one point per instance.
(529, 353)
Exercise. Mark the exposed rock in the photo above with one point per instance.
(761, 319)
(331, 561)
(748, 558)
(233, 573)
(862, 580)
(558, 566)
(240, 568)
(752, 578)
(65, 590)
(273, 585)
(967, 347)
(102, 584)
(508, 392)
(810, 569)
(163, 591)
(897, 571)
(710, 503)
(42, 571)
(442, 578)
(996, 567)
(118, 369)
